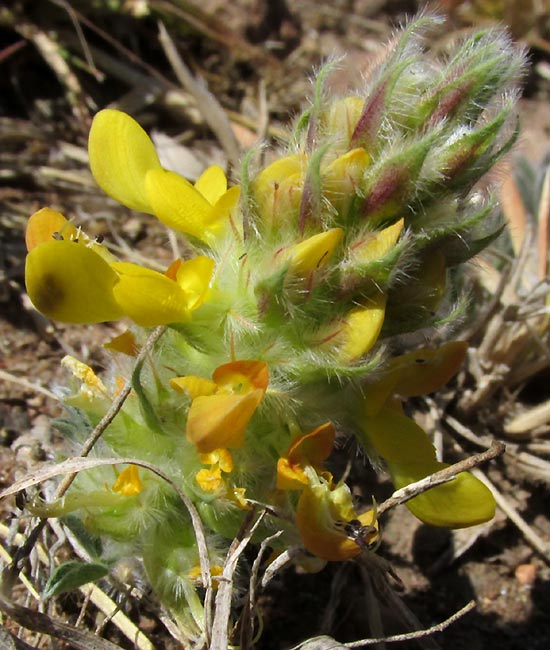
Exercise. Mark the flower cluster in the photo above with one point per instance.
(285, 327)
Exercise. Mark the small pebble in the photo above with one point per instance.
(526, 574)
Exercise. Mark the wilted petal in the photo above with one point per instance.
(121, 154)
(149, 298)
(416, 373)
(410, 456)
(69, 282)
(125, 343)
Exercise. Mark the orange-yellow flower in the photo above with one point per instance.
(312, 449)
(328, 523)
(222, 407)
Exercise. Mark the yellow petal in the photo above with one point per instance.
(361, 329)
(343, 177)
(212, 183)
(149, 298)
(128, 482)
(410, 456)
(69, 282)
(193, 386)
(42, 226)
(313, 253)
(178, 204)
(377, 244)
(242, 376)
(343, 116)
(210, 480)
(194, 277)
(121, 154)
(221, 210)
(277, 190)
(290, 476)
(220, 420)
(221, 457)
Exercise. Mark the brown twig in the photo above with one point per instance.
(408, 492)
(410, 636)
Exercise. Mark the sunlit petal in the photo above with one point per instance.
(194, 277)
(178, 204)
(242, 376)
(69, 282)
(121, 154)
(193, 386)
(212, 183)
(149, 298)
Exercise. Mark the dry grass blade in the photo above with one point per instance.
(543, 219)
(213, 113)
(30, 619)
(220, 632)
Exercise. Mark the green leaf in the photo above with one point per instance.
(71, 575)
(91, 543)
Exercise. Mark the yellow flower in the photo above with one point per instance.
(328, 524)
(125, 165)
(312, 449)
(210, 479)
(73, 279)
(221, 408)
(128, 482)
